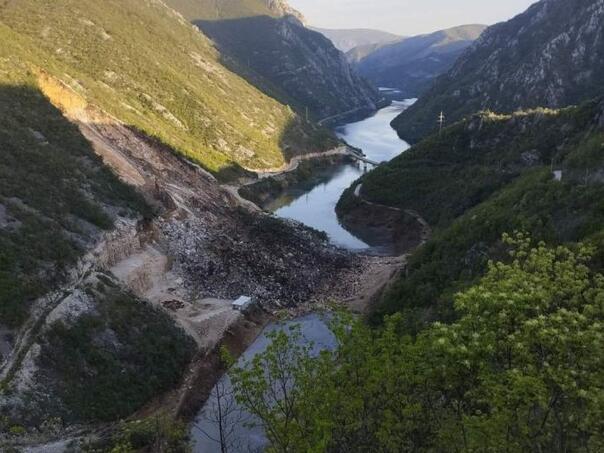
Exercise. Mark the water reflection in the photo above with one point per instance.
(315, 205)
(241, 431)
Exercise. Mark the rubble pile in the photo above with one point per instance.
(281, 264)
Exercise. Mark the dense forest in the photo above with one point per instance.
(519, 370)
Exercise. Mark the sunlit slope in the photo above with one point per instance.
(222, 9)
(56, 196)
(148, 67)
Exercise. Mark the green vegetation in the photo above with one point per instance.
(445, 175)
(223, 9)
(559, 212)
(55, 193)
(518, 64)
(520, 370)
(309, 173)
(107, 364)
(159, 433)
(295, 65)
(149, 68)
(480, 178)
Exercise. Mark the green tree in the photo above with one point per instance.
(520, 370)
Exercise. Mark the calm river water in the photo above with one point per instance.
(315, 206)
(244, 434)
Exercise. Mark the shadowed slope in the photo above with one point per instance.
(412, 64)
(148, 67)
(552, 55)
(267, 43)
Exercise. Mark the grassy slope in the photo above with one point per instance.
(473, 185)
(220, 9)
(48, 217)
(152, 70)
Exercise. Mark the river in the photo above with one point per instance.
(315, 205)
(243, 432)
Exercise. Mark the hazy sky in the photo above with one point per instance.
(407, 17)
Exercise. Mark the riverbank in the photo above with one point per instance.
(356, 287)
(306, 180)
(308, 173)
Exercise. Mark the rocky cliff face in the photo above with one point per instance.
(552, 55)
(283, 58)
(282, 8)
(302, 67)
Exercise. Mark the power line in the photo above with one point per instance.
(441, 121)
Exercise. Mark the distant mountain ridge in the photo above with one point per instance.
(348, 39)
(552, 55)
(267, 43)
(411, 64)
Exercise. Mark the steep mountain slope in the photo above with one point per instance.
(347, 39)
(58, 203)
(153, 71)
(275, 52)
(233, 9)
(551, 56)
(44, 223)
(412, 64)
(119, 256)
(486, 176)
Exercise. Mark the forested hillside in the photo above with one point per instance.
(520, 369)
(150, 69)
(267, 43)
(486, 176)
(550, 56)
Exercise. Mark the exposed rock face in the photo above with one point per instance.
(274, 51)
(552, 56)
(300, 67)
(282, 8)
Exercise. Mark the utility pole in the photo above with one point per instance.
(441, 122)
(307, 114)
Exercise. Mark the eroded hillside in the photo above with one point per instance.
(120, 256)
(268, 44)
(145, 65)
